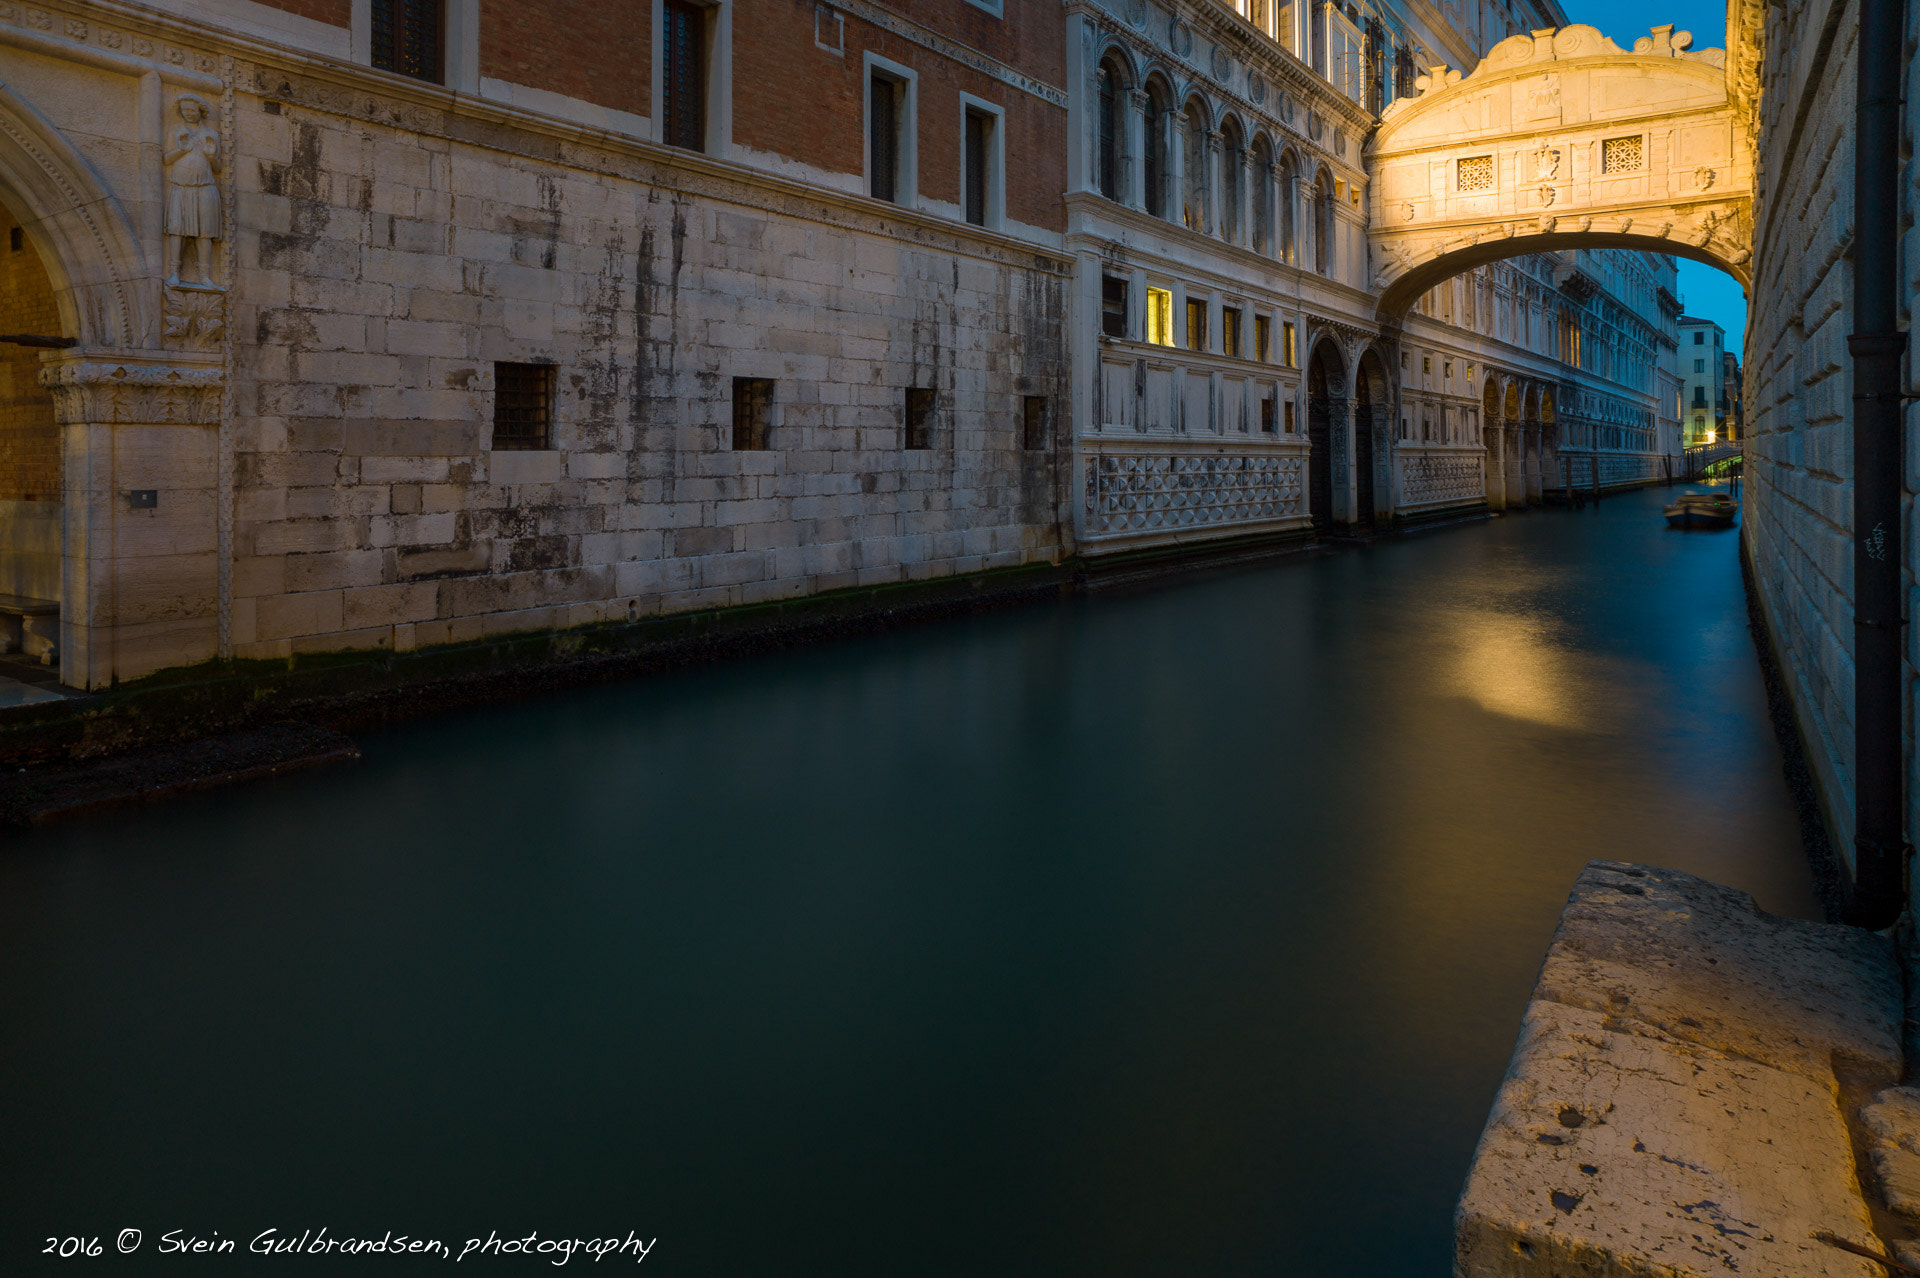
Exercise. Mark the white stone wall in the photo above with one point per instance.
(384, 267)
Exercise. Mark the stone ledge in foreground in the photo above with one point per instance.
(1677, 1101)
(34, 796)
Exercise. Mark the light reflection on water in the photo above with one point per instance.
(1179, 933)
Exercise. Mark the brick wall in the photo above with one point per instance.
(597, 52)
(29, 441)
(335, 13)
(382, 272)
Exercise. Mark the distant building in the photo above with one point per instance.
(1703, 403)
(1732, 416)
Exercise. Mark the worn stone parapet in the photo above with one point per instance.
(1677, 1103)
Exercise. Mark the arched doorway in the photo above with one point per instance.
(1372, 435)
(1326, 414)
(30, 463)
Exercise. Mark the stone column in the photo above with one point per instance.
(1175, 196)
(1496, 465)
(1244, 214)
(1214, 222)
(140, 492)
(1133, 166)
(1515, 478)
(1534, 482)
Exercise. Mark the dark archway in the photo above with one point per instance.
(1373, 412)
(1326, 411)
(31, 524)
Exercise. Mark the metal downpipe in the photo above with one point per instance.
(1877, 894)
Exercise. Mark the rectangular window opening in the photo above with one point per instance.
(1113, 306)
(683, 59)
(1622, 155)
(1266, 415)
(1290, 348)
(1475, 172)
(408, 36)
(979, 160)
(919, 416)
(752, 413)
(883, 138)
(1196, 324)
(522, 406)
(1160, 316)
(1290, 424)
(1034, 414)
(1263, 338)
(1230, 331)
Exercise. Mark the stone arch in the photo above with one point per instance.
(1196, 129)
(1262, 169)
(1322, 221)
(1114, 79)
(1286, 177)
(1540, 151)
(1492, 439)
(1233, 156)
(1158, 144)
(1373, 417)
(1327, 380)
(85, 241)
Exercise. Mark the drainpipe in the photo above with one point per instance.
(1878, 892)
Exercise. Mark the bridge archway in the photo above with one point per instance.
(1560, 140)
(1326, 426)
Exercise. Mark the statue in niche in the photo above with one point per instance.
(192, 157)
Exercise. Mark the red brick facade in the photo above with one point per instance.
(335, 13)
(29, 441)
(598, 53)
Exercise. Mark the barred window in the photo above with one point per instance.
(1033, 422)
(752, 413)
(1621, 155)
(919, 416)
(522, 406)
(1113, 306)
(407, 36)
(1476, 172)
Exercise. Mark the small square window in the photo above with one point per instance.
(1196, 324)
(1621, 155)
(919, 416)
(1113, 306)
(1263, 338)
(522, 406)
(1475, 172)
(1426, 365)
(1034, 412)
(1230, 330)
(752, 413)
(1160, 316)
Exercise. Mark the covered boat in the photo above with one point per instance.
(1702, 510)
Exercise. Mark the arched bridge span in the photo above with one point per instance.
(1560, 139)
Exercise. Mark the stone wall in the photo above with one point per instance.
(1799, 499)
(383, 268)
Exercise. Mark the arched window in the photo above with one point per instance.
(1233, 162)
(1112, 126)
(1193, 210)
(1286, 179)
(1263, 198)
(1323, 224)
(1157, 122)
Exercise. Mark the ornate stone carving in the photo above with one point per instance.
(1130, 492)
(106, 392)
(192, 157)
(193, 319)
(1222, 65)
(1137, 14)
(1703, 178)
(1180, 38)
(1256, 88)
(1546, 163)
(1435, 477)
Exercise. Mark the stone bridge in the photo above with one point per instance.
(1561, 139)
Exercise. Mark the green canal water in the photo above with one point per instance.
(1176, 933)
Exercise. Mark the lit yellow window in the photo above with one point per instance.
(1160, 316)
(1287, 341)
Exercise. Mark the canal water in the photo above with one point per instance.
(1183, 932)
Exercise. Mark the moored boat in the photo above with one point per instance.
(1702, 510)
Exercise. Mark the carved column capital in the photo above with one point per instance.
(135, 388)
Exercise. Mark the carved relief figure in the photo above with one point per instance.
(192, 157)
(1546, 163)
